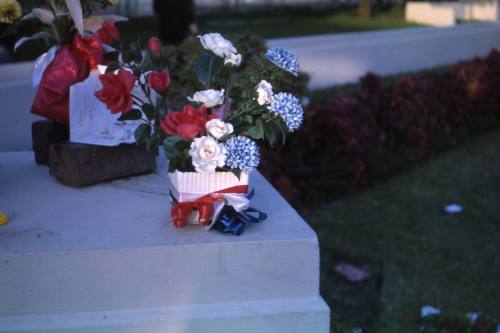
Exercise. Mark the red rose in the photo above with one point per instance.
(154, 45)
(187, 124)
(116, 89)
(159, 81)
(108, 32)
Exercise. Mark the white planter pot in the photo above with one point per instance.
(188, 186)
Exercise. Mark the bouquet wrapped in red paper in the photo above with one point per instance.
(76, 41)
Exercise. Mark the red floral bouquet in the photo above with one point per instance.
(76, 42)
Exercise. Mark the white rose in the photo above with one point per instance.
(207, 154)
(264, 93)
(209, 98)
(233, 59)
(221, 47)
(217, 128)
(217, 44)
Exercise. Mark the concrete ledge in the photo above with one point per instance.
(69, 253)
(304, 315)
(16, 97)
(344, 58)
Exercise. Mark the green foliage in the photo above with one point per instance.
(182, 59)
(207, 66)
(149, 111)
(176, 150)
(133, 114)
(293, 22)
(142, 133)
(192, 69)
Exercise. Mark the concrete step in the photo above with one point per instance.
(303, 315)
(71, 252)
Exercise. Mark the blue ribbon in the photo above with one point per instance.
(230, 221)
(233, 222)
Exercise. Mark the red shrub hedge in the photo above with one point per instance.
(352, 140)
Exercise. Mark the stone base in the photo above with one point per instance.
(43, 134)
(303, 315)
(107, 259)
(80, 165)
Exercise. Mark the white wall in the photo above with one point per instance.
(447, 13)
(429, 14)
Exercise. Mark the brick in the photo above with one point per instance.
(80, 165)
(43, 134)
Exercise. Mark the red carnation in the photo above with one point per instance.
(108, 32)
(154, 45)
(116, 90)
(159, 81)
(187, 124)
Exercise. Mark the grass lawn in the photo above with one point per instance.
(428, 257)
(278, 25)
(284, 23)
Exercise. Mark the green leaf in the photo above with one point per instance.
(182, 145)
(113, 67)
(169, 146)
(142, 133)
(257, 131)
(207, 66)
(43, 35)
(249, 119)
(133, 114)
(270, 134)
(76, 12)
(283, 130)
(237, 173)
(155, 140)
(149, 110)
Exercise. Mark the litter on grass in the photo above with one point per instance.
(453, 208)
(351, 272)
(428, 310)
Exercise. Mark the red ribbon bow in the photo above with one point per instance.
(181, 211)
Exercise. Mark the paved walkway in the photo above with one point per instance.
(343, 58)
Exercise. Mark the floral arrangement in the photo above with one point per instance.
(218, 129)
(211, 144)
(77, 42)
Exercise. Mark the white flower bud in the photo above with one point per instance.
(209, 98)
(264, 92)
(217, 128)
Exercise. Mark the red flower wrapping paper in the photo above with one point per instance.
(72, 64)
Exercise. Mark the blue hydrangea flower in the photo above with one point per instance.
(242, 153)
(283, 59)
(289, 108)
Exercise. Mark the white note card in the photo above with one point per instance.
(91, 122)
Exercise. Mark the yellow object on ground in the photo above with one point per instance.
(4, 219)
